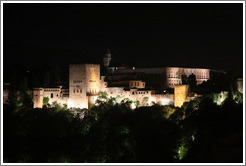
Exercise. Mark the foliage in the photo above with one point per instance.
(192, 81)
(103, 96)
(45, 100)
(145, 101)
(218, 82)
(113, 132)
(184, 79)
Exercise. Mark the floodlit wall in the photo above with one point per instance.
(180, 95)
(54, 95)
(92, 78)
(38, 95)
(78, 80)
(162, 99)
(136, 84)
(85, 83)
(174, 74)
(115, 91)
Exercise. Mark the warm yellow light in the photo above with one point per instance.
(70, 104)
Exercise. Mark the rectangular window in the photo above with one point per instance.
(80, 90)
(74, 91)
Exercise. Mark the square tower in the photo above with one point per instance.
(180, 95)
(84, 80)
(38, 96)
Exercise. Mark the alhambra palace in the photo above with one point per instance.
(86, 81)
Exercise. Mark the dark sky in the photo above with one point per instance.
(188, 35)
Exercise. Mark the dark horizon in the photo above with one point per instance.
(143, 35)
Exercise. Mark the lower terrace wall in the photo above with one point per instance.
(162, 99)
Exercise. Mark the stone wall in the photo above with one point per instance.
(38, 95)
(160, 78)
(54, 95)
(115, 91)
(174, 74)
(84, 81)
(78, 86)
(162, 99)
(180, 95)
(136, 84)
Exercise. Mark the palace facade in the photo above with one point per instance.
(86, 82)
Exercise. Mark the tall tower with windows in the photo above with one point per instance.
(107, 58)
(84, 81)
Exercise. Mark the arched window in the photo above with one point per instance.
(51, 95)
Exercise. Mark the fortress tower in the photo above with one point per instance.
(38, 96)
(84, 82)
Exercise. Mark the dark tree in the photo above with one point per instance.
(192, 80)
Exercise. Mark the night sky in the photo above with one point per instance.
(144, 35)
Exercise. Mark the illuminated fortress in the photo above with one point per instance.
(136, 84)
